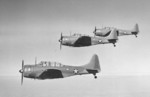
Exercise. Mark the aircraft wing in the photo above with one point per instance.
(83, 41)
(51, 73)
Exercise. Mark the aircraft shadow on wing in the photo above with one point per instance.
(54, 70)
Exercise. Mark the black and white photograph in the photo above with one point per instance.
(74, 48)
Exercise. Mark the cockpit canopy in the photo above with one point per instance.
(108, 28)
(77, 34)
(53, 64)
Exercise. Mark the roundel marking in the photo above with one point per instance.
(75, 71)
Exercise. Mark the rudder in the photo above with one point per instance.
(136, 28)
(93, 64)
(113, 35)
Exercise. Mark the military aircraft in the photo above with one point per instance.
(54, 70)
(79, 40)
(106, 30)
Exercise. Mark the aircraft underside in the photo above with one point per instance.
(51, 74)
(83, 41)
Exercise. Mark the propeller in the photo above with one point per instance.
(22, 71)
(60, 40)
(94, 30)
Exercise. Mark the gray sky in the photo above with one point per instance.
(31, 28)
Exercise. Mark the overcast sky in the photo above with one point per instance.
(31, 28)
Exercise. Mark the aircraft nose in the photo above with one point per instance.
(61, 37)
(21, 71)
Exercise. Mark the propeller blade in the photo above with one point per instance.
(22, 71)
(60, 46)
(21, 78)
(94, 30)
(22, 63)
(61, 37)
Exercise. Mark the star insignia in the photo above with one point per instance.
(75, 71)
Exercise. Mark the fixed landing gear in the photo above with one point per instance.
(136, 36)
(114, 44)
(95, 76)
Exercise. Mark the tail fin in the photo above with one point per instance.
(136, 28)
(113, 35)
(93, 64)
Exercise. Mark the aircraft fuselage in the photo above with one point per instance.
(82, 41)
(51, 70)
